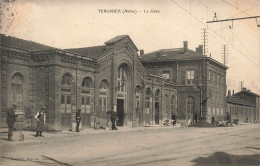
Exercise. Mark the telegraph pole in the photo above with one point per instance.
(225, 54)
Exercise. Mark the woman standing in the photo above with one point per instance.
(40, 116)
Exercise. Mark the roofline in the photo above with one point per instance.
(247, 92)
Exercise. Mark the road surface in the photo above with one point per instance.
(238, 145)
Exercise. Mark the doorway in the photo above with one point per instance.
(156, 112)
(120, 112)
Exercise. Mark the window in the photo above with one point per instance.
(147, 100)
(218, 80)
(86, 87)
(66, 93)
(190, 79)
(166, 74)
(17, 91)
(121, 80)
(103, 92)
(138, 98)
(209, 75)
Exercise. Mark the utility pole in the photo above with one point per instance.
(203, 85)
(225, 54)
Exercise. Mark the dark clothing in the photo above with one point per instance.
(40, 116)
(196, 117)
(40, 125)
(113, 118)
(10, 118)
(173, 119)
(78, 119)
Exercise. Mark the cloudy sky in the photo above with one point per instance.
(152, 25)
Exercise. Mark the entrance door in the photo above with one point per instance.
(120, 112)
(190, 108)
(65, 111)
(156, 112)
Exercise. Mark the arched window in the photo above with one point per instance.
(86, 86)
(17, 90)
(103, 95)
(66, 93)
(138, 97)
(157, 95)
(147, 100)
(121, 79)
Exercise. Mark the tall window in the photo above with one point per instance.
(172, 103)
(209, 75)
(86, 87)
(17, 90)
(121, 79)
(66, 94)
(138, 98)
(103, 93)
(147, 100)
(190, 78)
(166, 74)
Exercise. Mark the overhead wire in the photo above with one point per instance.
(216, 33)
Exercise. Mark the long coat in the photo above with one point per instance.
(41, 120)
(10, 117)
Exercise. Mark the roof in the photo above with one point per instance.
(170, 54)
(91, 52)
(237, 100)
(248, 92)
(21, 44)
(116, 39)
(175, 54)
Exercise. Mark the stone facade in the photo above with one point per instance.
(92, 79)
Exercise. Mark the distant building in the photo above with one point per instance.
(240, 109)
(92, 79)
(200, 81)
(253, 98)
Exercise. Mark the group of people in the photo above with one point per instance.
(10, 118)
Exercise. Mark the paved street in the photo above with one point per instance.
(238, 145)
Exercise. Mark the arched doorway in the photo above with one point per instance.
(148, 101)
(122, 88)
(65, 109)
(157, 106)
(103, 100)
(190, 108)
(138, 105)
(86, 100)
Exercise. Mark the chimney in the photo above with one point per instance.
(185, 46)
(229, 93)
(141, 52)
(243, 89)
(199, 49)
(233, 93)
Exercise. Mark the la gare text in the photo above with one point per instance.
(126, 11)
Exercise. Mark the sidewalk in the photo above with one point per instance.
(29, 136)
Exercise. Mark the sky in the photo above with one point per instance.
(151, 24)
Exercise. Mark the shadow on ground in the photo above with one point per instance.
(222, 158)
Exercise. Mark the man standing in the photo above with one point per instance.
(10, 118)
(113, 117)
(40, 116)
(78, 119)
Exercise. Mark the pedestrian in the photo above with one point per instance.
(228, 119)
(213, 121)
(196, 116)
(40, 116)
(78, 119)
(113, 117)
(173, 119)
(189, 119)
(10, 118)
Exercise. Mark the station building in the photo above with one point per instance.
(200, 81)
(92, 79)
